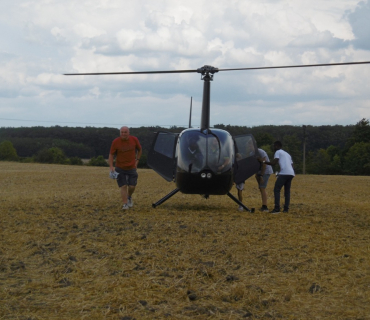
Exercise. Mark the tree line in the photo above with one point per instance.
(328, 149)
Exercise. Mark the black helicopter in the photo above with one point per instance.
(206, 161)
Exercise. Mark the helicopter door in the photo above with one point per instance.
(246, 153)
(161, 157)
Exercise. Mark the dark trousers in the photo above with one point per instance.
(282, 181)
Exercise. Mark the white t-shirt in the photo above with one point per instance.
(285, 162)
(263, 154)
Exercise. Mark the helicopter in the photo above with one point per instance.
(205, 160)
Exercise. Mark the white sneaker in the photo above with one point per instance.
(130, 203)
(240, 208)
(125, 207)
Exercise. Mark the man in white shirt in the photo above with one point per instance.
(284, 178)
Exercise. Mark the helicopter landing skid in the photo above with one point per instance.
(240, 203)
(173, 192)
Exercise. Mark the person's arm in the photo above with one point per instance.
(110, 161)
(259, 176)
(138, 156)
(263, 166)
(272, 163)
(226, 162)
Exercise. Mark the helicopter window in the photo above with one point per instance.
(214, 153)
(191, 157)
(220, 151)
(245, 147)
(165, 144)
(199, 150)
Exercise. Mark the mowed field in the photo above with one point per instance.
(68, 251)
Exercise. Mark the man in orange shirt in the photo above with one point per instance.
(127, 150)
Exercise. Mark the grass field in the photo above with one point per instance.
(67, 250)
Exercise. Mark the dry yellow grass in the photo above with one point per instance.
(68, 251)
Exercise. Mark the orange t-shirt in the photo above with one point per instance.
(125, 151)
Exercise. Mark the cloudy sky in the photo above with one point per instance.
(40, 40)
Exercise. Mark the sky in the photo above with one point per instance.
(41, 40)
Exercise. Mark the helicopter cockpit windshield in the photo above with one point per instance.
(202, 150)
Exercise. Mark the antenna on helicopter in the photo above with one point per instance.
(191, 107)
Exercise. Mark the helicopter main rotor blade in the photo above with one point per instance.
(129, 72)
(210, 69)
(299, 66)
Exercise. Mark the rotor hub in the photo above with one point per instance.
(207, 72)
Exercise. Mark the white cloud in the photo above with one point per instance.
(87, 31)
(360, 22)
(43, 39)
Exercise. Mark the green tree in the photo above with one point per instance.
(52, 155)
(76, 161)
(320, 163)
(264, 139)
(58, 155)
(361, 133)
(357, 159)
(98, 162)
(335, 165)
(332, 151)
(7, 151)
(335, 156)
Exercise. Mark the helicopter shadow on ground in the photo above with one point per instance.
(207, 205)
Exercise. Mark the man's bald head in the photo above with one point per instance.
(124, 133)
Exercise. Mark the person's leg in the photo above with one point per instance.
(123, 186)
(287, 186)
(124, 193)
(240, 188)
(240, 195)
(264, 197)
(131, 190)
(278, 185)
(264, 200)
(132, 182)
(262, 187)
